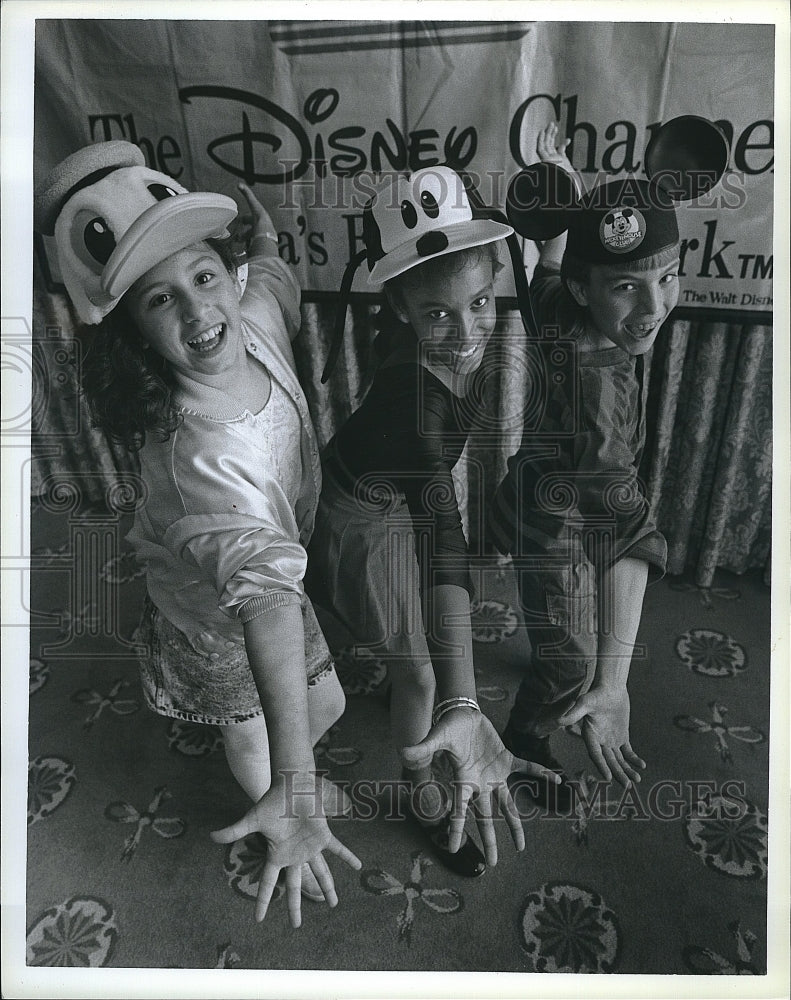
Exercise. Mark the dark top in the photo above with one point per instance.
(573, 483)
(406, 437)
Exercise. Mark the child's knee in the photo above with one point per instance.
(247, 752)
(248, 738)
(326, 703)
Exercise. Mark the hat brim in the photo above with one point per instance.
(162, 230)
(461, 236)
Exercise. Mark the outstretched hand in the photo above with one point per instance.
(291, 818)
(604, 713)
(551, 151)
(481, 766)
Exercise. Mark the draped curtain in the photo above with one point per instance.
(707, 464)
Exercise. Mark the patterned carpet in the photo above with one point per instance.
(670, 878)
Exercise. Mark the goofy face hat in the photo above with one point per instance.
(412, 219)
(628, 220)
(113, 219)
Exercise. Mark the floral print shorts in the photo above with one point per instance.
(184, 684)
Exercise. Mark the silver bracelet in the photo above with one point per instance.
(449, 704)
(266, 236)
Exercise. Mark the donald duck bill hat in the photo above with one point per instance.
(114, 218)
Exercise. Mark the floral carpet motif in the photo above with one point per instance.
(121, 803)
(722, 733)
(706, 961)
(712, 653)
(381, 883)
(109, 701)
(244, 866)
(193, 740)
(39, 672)
(729, 836)
(565, 928)
(166, 827)
(50, 780)
(359, 671)
(492, 621)
(79, 933)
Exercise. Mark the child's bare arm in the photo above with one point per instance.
(275, 644)
(604, 710)
(290, 815)
(481, 764)
(262, 232)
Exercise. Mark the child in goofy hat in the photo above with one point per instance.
(388, 560)
(571, 510)
(200, 380)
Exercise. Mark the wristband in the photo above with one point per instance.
(264, 236)
(449, 704)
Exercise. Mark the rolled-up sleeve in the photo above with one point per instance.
(238, 528)
(244, 558)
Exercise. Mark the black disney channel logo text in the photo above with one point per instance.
(272, 146)
(251, 152)
(343, 152)
(752, 147)
(278, 137)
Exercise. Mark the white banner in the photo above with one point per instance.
(309, 112)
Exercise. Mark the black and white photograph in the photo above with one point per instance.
(395, 499)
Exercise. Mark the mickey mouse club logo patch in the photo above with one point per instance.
(622, 230)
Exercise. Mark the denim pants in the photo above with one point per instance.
(558, 601)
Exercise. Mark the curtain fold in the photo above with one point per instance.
(707, 464)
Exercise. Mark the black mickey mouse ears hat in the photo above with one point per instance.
(626, 219)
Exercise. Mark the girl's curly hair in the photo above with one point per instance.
(129, 388)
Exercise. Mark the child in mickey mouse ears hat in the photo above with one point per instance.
(200, 379)
(571, 510)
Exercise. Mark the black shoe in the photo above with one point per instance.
(552, 797)
(467, 861)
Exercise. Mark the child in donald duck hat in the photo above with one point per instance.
(200, 380)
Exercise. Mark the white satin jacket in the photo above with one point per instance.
(220, 539)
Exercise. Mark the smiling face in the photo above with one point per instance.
(452, 313)
(187, 310)
(627, 307)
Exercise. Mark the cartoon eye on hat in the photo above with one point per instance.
(627, 218)
(411, 219)
(425, 215)
(113, 218)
